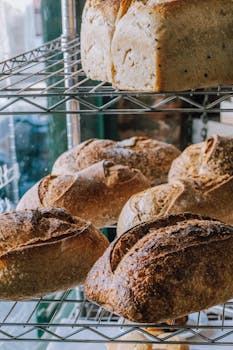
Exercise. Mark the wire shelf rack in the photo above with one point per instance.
(90, 323)
(8, 174)
(36, 75)
(6, 205)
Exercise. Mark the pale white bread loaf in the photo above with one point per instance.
(96, 193)
(153, 158)
(154, 45)
(139, 337)
(134, 336)
(209, 159)
(98, 25)
(210, 198)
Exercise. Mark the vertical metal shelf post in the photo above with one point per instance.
(15, 183)
(69, 33)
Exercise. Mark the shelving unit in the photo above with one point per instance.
(89, 323)
(27, 78)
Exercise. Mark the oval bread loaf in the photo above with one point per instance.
(209, 198)
(165, 269)
(45, 250)
(208, 159)
(153, 158)
(158, 201)
(96, 193)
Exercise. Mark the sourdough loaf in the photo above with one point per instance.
(45, 250)
(165, 269)
(153, 45)
(208, 160)
(96, 193)
(208, 197)
(153, 158)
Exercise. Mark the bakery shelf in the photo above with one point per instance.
(89, 323)
(36, 75)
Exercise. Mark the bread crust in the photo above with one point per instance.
(45, 250)
(165, 269)
(153, 158)
(96, 193)
(208, 160)
(158, 201)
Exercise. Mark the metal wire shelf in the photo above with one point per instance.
(90, 323)
(5, 205)
(8, 174)
(42, 73)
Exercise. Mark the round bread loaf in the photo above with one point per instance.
(153, 158)
(96, 193)
(208, 159)
(210, 198)
(165, 269)
(45, 250)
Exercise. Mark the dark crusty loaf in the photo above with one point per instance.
(45, 250)
(165, 269)
(96, 193)
(208, 159)
(209, 198)
(153, 158)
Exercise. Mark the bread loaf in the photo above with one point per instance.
(208, 160)
(152, 45)
(134, 336)
(165, 269)
(45, 250)
(140, 338)
(210, 198)
(153, 158)
(96, 193)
